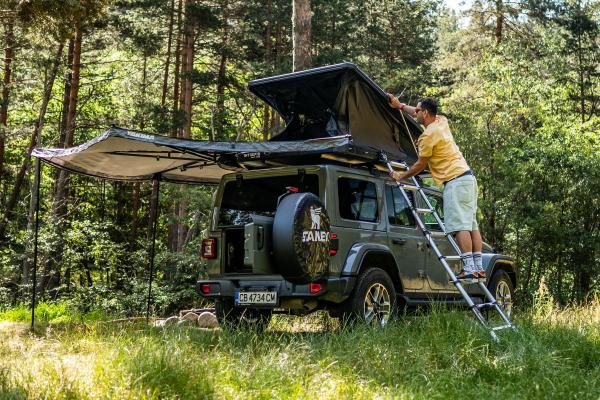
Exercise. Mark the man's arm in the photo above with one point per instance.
(412, 171)
(395, 103)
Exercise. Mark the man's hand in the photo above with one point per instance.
(396, 175)
(394, 102)
(412, 171)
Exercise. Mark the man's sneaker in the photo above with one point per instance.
(480, 275)
(466, 276)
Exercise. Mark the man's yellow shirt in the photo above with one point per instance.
(445, 159)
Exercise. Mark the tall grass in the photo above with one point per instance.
(55, 312)
(555, 354)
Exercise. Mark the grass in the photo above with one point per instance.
(57, 312)
(555, 354)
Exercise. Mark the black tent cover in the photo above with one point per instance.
(333, 112)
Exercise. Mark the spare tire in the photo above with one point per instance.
(301, 232)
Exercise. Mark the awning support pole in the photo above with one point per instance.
(38, 169)
(153, 222)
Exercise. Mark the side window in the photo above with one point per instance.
(358, 200)
(438, 206)
(397, 209)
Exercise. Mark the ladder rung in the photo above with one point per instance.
(424, 210)
(452, 258)
(409, 187)
(437, 234)
(485, 305)
(497, 328)
(398, 165)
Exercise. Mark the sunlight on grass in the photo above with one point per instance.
(441, 354)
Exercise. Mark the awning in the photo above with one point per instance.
(122, 154)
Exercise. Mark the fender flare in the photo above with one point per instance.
(495, 262)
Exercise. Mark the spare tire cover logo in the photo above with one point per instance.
(315, 234)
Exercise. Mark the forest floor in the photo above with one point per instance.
(555, 354)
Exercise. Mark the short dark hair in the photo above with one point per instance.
(430, 104)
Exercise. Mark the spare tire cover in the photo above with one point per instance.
(301, 233)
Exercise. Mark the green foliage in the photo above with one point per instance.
(537, 164)
(552, 356)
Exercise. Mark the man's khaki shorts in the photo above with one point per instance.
(460, 204)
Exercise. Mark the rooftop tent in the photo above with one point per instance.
(334, 112)
(336, 100)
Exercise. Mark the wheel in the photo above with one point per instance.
(501, 287)
(231, 317)
(374, 299)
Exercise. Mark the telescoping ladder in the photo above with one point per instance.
(490, 301)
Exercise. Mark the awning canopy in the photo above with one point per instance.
(332, 113)
(122, 154)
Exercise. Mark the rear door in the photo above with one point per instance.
(405, 240)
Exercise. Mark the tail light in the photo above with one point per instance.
(314, 288)
(333, 244)
(210, 288)
(208, 248)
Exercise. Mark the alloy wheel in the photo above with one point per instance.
(377, 306)
(504, 296)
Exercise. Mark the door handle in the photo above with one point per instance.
(399, 242)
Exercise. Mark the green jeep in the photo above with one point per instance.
(311, 220)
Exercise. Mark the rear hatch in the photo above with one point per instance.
(243, 217)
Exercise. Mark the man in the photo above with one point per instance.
(448, 167)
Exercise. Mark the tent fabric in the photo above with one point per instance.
(122, 154)
(334, 111)
(339, 99)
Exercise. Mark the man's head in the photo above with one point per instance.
(426, 110)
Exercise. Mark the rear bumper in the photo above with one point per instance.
(333, 289)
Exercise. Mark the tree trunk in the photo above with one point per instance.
(221, 77)
(51, 278)
(266, 109)
(176, 81)
(60, 194)
(499, 21)
(66, 94)
(165, 86)
(174, 211)
(301, 27)
(135, 216)
(8, 58)
(39, 124)
(188, 66)
(186, 104)
(182, 228)
(135, 196)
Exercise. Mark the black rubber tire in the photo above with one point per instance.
(501, 282)
(239, 318)
(354, 308)
(300, 246)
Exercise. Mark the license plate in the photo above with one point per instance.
(259, 298)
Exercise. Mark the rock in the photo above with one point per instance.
(159, 323)
(190, 316)
(208, 320)
(171, 320)
(186, 322)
